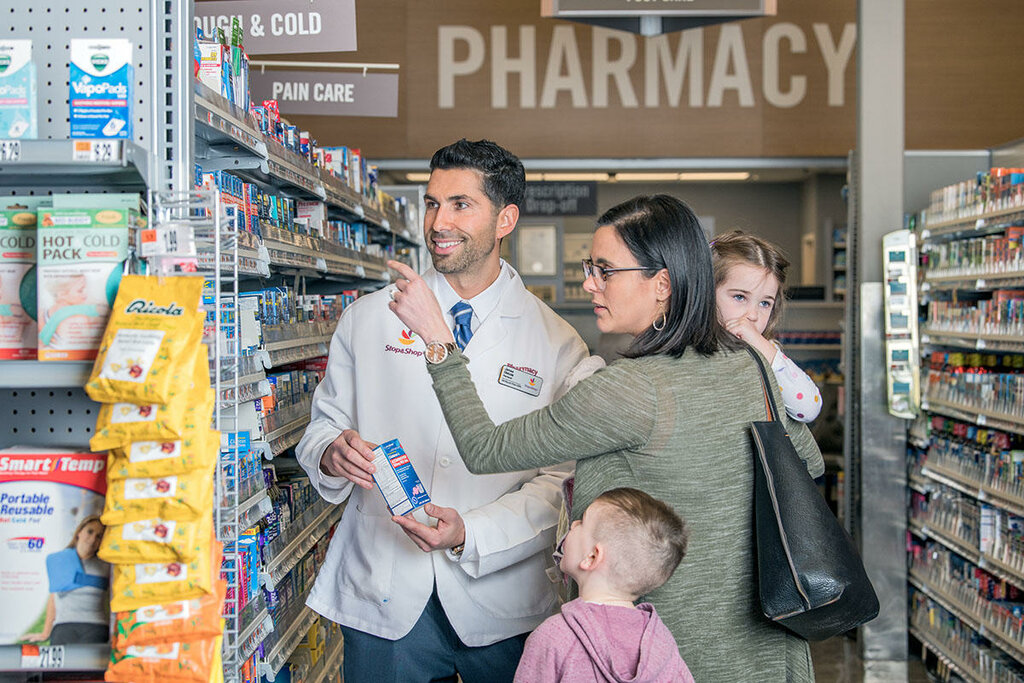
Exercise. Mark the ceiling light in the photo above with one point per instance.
(718, 175)
(599, 177)
(417, 177)
(647, 177)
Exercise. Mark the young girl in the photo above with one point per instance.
(749, 275)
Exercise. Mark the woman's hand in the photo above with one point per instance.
(417, 307)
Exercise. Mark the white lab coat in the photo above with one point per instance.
(374, 578)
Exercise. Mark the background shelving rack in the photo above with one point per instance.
(963, 475)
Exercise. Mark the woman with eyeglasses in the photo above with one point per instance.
(672, 418)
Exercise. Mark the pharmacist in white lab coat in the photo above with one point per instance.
(456, 592)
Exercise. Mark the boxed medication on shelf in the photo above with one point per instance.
(50, 501)
(18, 108)
(18, 278)
(101, 79)
(81, 254)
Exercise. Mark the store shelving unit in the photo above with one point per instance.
(226, 141)
(178, 122)
(43, 403)
(961, 485)
(837, 260)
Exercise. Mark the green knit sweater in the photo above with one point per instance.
(679, 429)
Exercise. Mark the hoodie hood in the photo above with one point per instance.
(610, 635)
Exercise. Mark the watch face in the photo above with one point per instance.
(436, 352)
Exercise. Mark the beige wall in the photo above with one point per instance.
(764, 87)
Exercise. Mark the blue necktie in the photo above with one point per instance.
(463, 313)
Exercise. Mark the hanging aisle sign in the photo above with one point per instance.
(326, 93)
(595, 8)
(560, 199)
(283, 26)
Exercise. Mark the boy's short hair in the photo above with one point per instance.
(645, 537)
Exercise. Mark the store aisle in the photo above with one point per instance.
(836, 661)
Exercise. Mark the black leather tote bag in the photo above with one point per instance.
(811, 578)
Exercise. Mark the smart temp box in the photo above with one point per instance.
(101, 79)
(48, 498)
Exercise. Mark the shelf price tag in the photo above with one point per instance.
(95, 150)
(104, 150)
(321, 264)
(10, 150)
(42, 656)
(981, 344)
(982, 420)
(980, 284)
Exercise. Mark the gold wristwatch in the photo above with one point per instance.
(437, 351)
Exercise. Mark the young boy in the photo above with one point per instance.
(626, 545)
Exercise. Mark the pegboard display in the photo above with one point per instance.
(52, 26)
(47, 417)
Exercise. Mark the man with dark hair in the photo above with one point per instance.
(452, 588)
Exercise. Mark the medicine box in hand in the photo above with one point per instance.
(397, 480)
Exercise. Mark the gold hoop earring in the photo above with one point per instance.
(664, 321)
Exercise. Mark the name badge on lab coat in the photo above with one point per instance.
(520, 380)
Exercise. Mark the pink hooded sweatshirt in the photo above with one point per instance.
(602, 643)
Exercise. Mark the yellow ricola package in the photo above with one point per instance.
(192, 661)
(180, 497)
(153, 330)
(147, 583)
(191, 405)
(156, 540)
(195, 451)
(172, 621)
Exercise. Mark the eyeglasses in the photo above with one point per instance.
(602, 273)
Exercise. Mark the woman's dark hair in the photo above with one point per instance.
(662, 232)
(504, 176)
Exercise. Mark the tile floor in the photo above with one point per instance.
(836, 661)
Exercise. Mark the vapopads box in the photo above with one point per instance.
(50, 501)
(17, 90)
(101, 80)
(397, 480)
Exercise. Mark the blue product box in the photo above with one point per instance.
(397, 479)
(18, 110)
(100, 98)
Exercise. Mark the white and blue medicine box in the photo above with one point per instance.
(100, 98)
(17, 90)
(397, 480)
